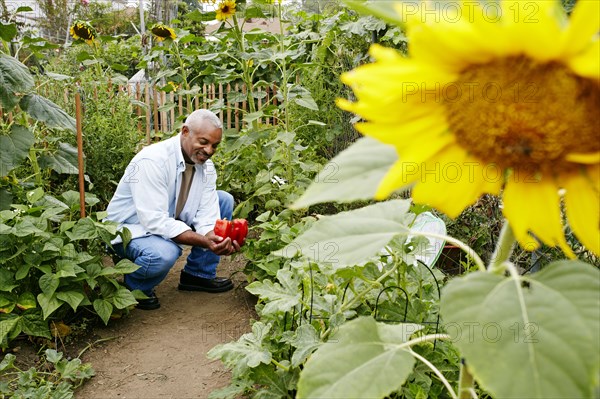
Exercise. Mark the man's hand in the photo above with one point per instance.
(210, 241)
(221, 246)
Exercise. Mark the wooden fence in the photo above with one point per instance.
(159, 112)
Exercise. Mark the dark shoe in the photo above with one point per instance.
(188, 282)
(151, 303)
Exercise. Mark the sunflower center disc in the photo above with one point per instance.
(524, 115)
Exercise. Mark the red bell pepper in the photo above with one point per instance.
(236, 229)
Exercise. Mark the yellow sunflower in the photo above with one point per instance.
(83, 30)
(225, 9)
(493, 97)
(163, 32)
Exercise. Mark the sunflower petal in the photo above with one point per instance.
(452, 180)
(398, 177)
(590, 158)
(584, 24)
(533, 208)
(537, 21)
(405, 133)
(582, 205)
(587, 64)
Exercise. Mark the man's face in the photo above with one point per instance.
(199, 142)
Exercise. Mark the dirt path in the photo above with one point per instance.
(162, 353)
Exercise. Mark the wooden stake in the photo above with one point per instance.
(80, 154)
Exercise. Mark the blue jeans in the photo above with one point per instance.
(156, 256)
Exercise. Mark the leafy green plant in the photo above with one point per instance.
(47, 274)
(307, 297)
(55, 377)
(50, 261)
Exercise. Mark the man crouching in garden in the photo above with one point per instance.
(168, 197)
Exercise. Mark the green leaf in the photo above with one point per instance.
(8, 31)
(7, 325)
(64, 160)
(363, 164)
(58, 76)
(123, 298)
(7, 302)
(35, 195)
(278, 298)
(22, 271)
(349, 238)
(26, 301)
(7, 280)
(14, 148)
(73, 298)
(247, 352)
(363, 359)
(104, 309)
(254, 12)
(385, 10)
(306, 341)
(15, 79)
(8, 361)
(212, 56)
(49, 303)
(125, 266)
(84, 229)
(307, 102)
(32, 323)
(46, 111)
(198, 16)
(6, 197)
(53, 356)
(541, 330)
(49, 283)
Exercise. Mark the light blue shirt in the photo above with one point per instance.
(145, 199)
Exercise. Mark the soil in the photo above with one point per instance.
(162, 353)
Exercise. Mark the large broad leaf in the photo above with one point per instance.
(6, 199)
(63, 161)
(363, 359)
(352, 175)
(393, 12)
(15, 79)
(14, 148)
(535, 336)
(350, 237)
(247, 352)
(46, 111)
(278, 297)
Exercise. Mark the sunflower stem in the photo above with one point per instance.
(504, 248)
(466, 383)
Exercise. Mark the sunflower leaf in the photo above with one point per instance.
(46, 111)
(15, 79)
(363, 165)
(546, 326)
(363, 359)
(351, 237)
(386, 10)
